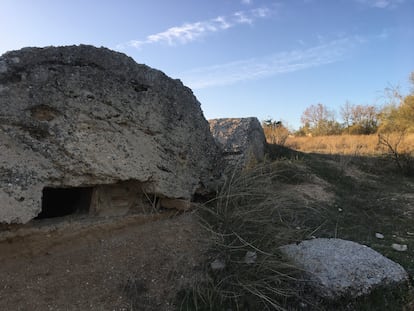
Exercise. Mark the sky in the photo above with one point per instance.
(241, 58)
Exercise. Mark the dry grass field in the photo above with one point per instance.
(357, 145)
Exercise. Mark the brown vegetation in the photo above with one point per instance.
(366, 145)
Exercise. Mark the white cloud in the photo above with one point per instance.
(241, 18)
(261, 12)
(191, 31)
(246, 1)
(224, 24)
(258, 68)
(381, 4)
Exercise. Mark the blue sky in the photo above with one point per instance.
(240, 57)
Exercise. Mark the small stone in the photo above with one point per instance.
(399, 247)
(250, 257)
(379, 235)
(340, 209)
(218, 264)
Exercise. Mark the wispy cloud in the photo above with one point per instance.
(246, 1)
(258, 68)
(385, 34)
(381, 4)
(191, 31)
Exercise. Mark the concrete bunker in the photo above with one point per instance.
(98, 200)
(104, 124)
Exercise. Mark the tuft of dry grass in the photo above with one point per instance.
(250, 217)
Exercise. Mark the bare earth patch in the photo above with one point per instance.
(120, 265)
(314, 192)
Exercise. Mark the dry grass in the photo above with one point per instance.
(356, 145)
(251, 216)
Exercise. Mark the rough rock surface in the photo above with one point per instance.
(84, 116)
(241, 139)
(338, 267)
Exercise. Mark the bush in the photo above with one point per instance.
(394, 146)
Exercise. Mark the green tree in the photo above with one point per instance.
(406, 113)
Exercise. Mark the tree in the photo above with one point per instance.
(364, 120)
(406, 113)
(359, 119)
(346, 114)
(319, 120)
(398, 114)
(397, 119)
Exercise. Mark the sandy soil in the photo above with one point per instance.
(133, 263)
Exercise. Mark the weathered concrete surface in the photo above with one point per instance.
(338, 267)
(241, 139)
(79, 116)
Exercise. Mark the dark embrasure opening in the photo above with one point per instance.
(59, 202)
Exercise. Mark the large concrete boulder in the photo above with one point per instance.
(89, 118)
(240, 139)
(339, 268)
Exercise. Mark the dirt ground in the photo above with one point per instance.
(133, 263)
